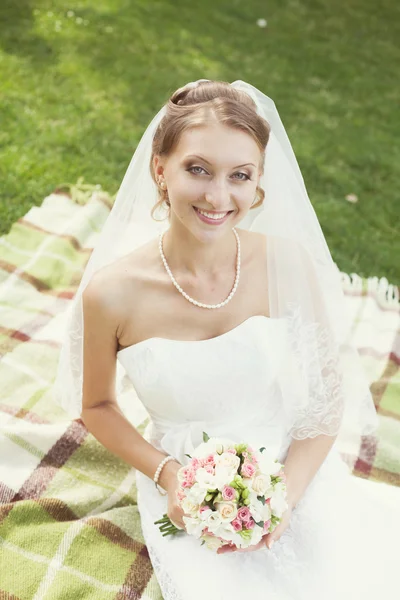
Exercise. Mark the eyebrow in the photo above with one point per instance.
(208, 162)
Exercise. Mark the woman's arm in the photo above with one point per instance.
(100, 410)
(107, 423)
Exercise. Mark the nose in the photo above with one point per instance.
(218, 197)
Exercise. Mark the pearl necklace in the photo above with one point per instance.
(195, 302)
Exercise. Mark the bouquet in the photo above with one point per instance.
(230, 494)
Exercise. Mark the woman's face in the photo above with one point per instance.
(215, 169)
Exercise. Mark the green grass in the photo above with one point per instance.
(76, 97)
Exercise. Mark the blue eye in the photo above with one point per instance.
(246, 177)
(191, 168)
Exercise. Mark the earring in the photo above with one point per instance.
(162, 184)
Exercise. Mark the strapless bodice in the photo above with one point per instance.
(226, 385)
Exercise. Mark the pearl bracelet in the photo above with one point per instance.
(158, 472)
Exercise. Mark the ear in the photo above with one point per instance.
(260, 172)
(158, 165)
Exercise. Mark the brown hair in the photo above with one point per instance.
(195, 106)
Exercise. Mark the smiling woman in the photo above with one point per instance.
(213, 117)
(273, 368)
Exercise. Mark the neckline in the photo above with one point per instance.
(196, 342)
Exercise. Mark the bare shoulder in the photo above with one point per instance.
(113, 287)
(254, 238)
(254, 242)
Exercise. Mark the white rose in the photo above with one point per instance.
(227, 510)
(257, 510)
(205, 480)
(278, 502)
(193, 526)
(266, 463)
(196, 493)
(257, 533)
(204, 514)
(214, 445)
(213, 521)
(228, 460)
(261, 483)
(265, 512)
(225, 532)
(223, 476)
(189, 507)
(202, 450)
(212, 542)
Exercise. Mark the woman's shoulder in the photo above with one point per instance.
(255, 244)
(255, 237)
(115, 282)
(251, 237)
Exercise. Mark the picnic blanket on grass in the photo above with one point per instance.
(69, 525)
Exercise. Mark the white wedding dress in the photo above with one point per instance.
(342, 542)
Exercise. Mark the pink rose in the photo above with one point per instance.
(268, 500)
(210, 460)
(247, 470)
(249, 524)
(209, 468)
(186, 484)
(267, 525)
(189, 473)
(244, 513)
(190, 478)
(195, 463)
(231, 450)
(204, 509)
(228, 492)
(236, 524)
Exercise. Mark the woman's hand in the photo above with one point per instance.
(174, 511)
(267, 539)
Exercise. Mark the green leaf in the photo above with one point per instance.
(188, 455)
(205, 437)
(261, 499)
(262, 449)
(260, 523)
(275, 519)
(245, 533)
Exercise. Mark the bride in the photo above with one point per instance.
(227, 316)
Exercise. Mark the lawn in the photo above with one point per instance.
(80, 81)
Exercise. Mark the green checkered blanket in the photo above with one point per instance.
(69, 525)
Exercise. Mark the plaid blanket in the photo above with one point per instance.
(69, 525)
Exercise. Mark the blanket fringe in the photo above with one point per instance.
(387, 294)
(81, 192)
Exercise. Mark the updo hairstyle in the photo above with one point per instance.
(194, 106)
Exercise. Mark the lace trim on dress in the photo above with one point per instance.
(316, 356)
